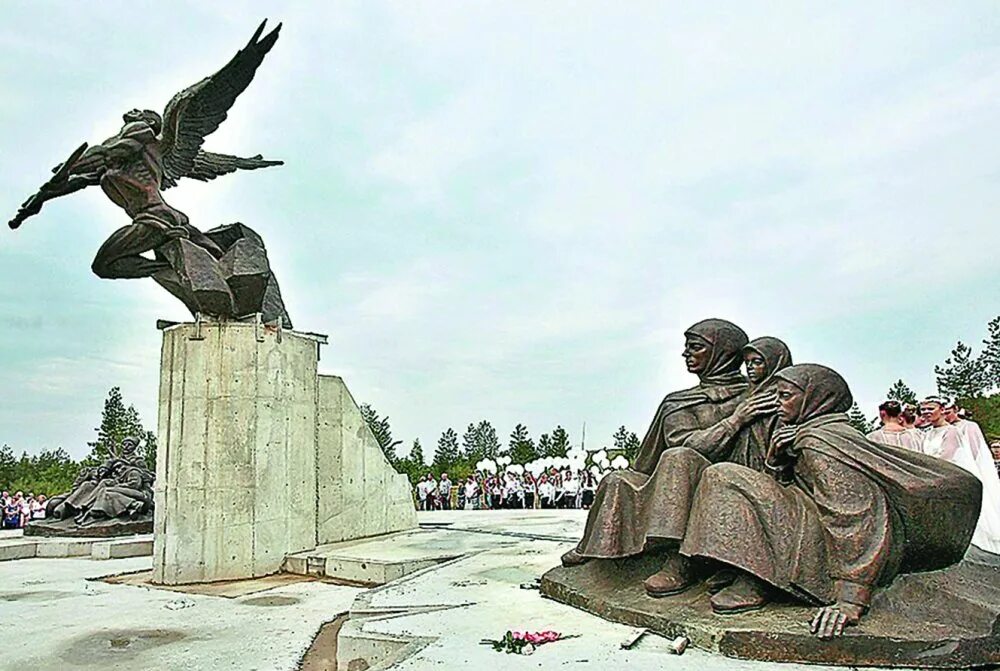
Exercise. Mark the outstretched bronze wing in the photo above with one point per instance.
(197, 111)
(207, 165)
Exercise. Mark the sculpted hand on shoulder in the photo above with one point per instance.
(756, 405)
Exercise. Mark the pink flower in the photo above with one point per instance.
(518, 635)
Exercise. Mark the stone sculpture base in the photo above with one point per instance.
(101, 529)
(260, 457)
(944, 619)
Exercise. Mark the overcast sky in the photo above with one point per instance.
(512, 210)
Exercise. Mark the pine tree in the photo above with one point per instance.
(899, 391)
(544, 447)
(446, 455)
(380, 428)
(522, 448)
(471, 450)
(117, 423)
(488, 440)
(480, 442)
(990, 357)
(626, 442)
(8, 467)
(417, 454)
(560, 443)
(962, 375)
(858, 420)
(413, 465)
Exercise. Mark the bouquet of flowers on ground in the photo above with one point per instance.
(524, 642)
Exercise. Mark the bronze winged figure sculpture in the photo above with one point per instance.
(150, 154)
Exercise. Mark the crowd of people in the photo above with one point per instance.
(19, 509)
(553, 488)
(940, 428)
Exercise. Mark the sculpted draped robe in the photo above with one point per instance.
(691, 429)
(855, 515)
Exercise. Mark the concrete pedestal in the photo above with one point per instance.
(257, 456)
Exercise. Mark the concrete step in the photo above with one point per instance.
(119, 548)
(57, 547)
(382, 559)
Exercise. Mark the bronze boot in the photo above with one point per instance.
(747, 593)
(573, 558)
(675, 577)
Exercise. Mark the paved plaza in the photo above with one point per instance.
(432, 618)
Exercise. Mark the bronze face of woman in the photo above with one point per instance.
(790, 400)
(756, 366)
(697, 353)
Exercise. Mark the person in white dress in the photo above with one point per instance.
(948, 442)
(893, 432)
(471, 494)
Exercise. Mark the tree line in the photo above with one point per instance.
(973, 379)
(458, 456)
(52, 472)
(969, 376)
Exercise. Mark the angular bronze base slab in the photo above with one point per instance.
(946, 619)
(101, 529)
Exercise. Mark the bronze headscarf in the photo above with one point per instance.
(824, 391)
(935, 504)
(776, 357)
(721, 381)
(726, 341)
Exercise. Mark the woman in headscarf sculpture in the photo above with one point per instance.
(855, 515)
(648, 505)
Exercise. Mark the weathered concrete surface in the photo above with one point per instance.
(63, 619)
(943, 619)
(236, 464)
(436, 617)
(17, 546)
(431, 619)
(382, 559)
(260, 457)
(359, 493)
(120, 548)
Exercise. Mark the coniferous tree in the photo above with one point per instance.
(117, 423)
(382, 431)
(962, 375)
(8, 467)
(480, 442)
(560, 443)
(990, 357)
(412, 465)
(471, 450)
(522, 448)
(544, 447)
(858, 420)
(627, 442)
(446, 455)
(417, 454)
(488, 441)
(899, 391)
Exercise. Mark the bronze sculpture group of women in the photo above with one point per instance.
(759, 485)
(120, 488)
